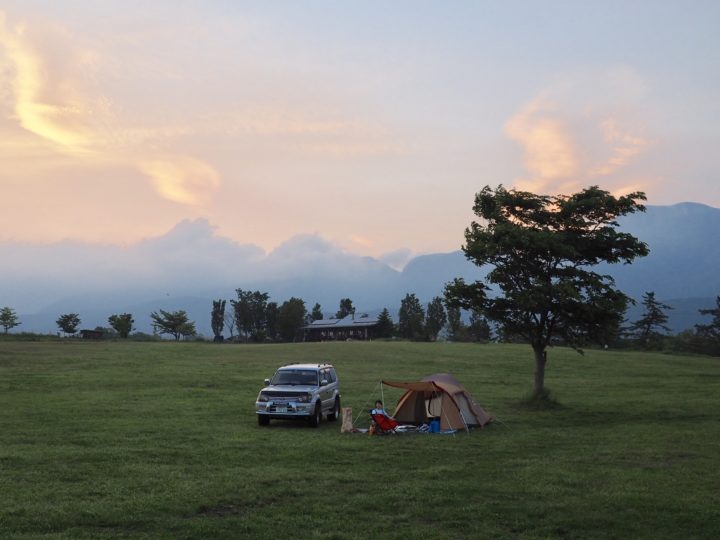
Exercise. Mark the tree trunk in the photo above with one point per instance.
(540, 361)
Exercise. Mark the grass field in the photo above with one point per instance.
(159, 440)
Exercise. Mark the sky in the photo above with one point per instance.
(369, 125)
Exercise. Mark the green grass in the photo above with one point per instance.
(159, 440)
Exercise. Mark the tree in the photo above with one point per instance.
(250, 314)
(411, 317)
(706, 338)
(712, 330)
(646, 329)
(316, 314)
(456, 329)
(346, 308)
(230, 323)
(122, 324)
(175, 323)
(479, 329)
(68, 322)
(435, 318)
(217, 319)
(8, 318)
(272, 313)
(385, 326)
(541, 250)
(291, 318)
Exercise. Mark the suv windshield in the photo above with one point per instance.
(295, 377)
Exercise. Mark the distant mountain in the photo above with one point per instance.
(190, 265)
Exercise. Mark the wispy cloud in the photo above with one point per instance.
(550, 152)
(577, 131)
(182, 179)
(55, 119)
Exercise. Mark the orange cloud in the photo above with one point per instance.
(581, 129)
(182, 179)
(624, 147)
(57, 120)
(550, 151)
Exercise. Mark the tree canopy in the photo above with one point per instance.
(68, 322)
(121, 323)
(647, 329)
(540, 251)
(346, 308)
(175, 323)
(411, 317)
(385, 326)
(8, 318)
(291, 318)
(435, 318)
(217, 319)
(251, 314)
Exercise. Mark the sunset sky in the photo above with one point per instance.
(371, 124)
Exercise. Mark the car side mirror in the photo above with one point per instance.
(324, 382)
(267, 382)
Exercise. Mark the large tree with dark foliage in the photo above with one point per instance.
(540, 250)
(175, 323)
(8, 318)
(385, 326)
(707, 336)
(121, 323)
(411, 317)
(712, 330)
(291, 318)
(316, 314)
(217, 319)
(647, 329)
(346, 308)
(435, 318)
(68, 322)
(251, 314)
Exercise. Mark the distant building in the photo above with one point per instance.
(91, 334)
(361, 327)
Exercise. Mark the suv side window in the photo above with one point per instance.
(331, 375)
(324, 375)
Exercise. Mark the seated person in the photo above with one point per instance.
(382, 418)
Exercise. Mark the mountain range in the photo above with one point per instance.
(191, 265)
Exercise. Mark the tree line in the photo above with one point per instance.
(252, 318)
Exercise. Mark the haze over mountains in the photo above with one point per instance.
(190, 265)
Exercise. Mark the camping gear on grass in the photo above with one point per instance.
(438, 397)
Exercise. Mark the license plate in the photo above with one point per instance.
(281, 409)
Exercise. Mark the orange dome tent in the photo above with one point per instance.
(438, 396)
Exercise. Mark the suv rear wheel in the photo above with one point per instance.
(317, 415)
(335, 414)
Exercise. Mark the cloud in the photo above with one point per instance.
(550, 151)
(581, 129)
(182, 179)
(55, 114)
(625, 147)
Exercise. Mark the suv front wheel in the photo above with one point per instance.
(317, 415)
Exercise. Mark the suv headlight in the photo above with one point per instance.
(263, 397)
(304, 399)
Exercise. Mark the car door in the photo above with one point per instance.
(326, 391)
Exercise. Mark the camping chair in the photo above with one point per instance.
(383, 424)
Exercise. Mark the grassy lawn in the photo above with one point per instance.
(159, 440)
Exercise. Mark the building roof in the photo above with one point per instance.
(351, 321)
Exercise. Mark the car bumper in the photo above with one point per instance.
(284, 410)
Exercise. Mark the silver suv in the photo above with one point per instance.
(306, 391)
